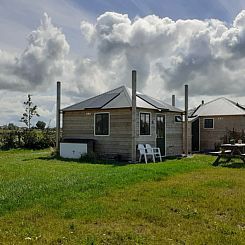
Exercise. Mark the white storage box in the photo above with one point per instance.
(73, 150)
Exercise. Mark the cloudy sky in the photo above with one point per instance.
(92, 46)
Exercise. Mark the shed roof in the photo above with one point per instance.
(121, 97)
(219, 107)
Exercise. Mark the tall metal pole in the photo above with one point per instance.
(58, 119)
(186, 119)
(133, 116)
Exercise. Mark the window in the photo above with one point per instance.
(101, 125)
(144, 123)
(178, 118)
(208, 123)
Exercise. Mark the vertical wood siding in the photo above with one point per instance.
(174, 135)
(80, 125)
(211, 137)
(174, 132)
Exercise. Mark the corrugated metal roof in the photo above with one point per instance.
(97, 101)
(219, 107)
(158, 104)
(121, 98)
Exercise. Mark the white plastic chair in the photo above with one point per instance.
(143, 152)
(155, 151)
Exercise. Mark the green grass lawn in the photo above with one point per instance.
(187, 201)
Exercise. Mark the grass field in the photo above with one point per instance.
(187, 201)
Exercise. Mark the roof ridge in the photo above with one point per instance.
(105, 98)
(235, 105)
(211, 101)
(94, 97)
(194, 110)
(214, 100)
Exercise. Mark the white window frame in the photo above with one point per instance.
(145, 112)
(109, 124)
(204, 122)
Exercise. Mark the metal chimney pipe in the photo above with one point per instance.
(133, 116)
(186, 119)
(58, 119)
(173, 100)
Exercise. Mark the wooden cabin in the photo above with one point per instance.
(106, 120)
(210, 123)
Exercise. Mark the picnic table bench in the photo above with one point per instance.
(229, 151)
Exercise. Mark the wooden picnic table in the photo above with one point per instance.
(229, 151)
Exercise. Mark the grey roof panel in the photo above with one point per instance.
(121, 97)
(219, 107)
(101, 101)
(121, 101)
(95, 102)
(140, 103)
(158, 104)
(151, 101)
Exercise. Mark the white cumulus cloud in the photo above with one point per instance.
(206, 54)
(209, 55)
(43, 60)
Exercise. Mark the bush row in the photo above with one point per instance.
(30, 139)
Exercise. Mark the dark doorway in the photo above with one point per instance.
(160, 132)
(195, 135)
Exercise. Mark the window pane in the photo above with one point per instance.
(178, 118)
(102, 124)
(144, 123)
(208, 123)
(105, 121)
(98, 124)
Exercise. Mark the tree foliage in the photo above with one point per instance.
(29, 139)
(11, 126)
(30, 112)
(40, 125)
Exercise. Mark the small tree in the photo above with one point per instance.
(40, 125)
(11, 126)
(30, 111)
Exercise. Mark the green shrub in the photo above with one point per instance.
(29, 139)
(9, 140)
(48, 138)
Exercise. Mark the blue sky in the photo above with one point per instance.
(175, 9)
(83, 59)
(18, 18)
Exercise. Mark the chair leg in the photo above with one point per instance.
(160, 158)
(140, 158)
(145, 158)
(153, 158)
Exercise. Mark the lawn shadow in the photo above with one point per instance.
(114, 163)
(69, 160)
(233, 165)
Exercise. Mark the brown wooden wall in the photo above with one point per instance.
(80, 125)
(174, 132)
(210, 137)
(174, 135)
